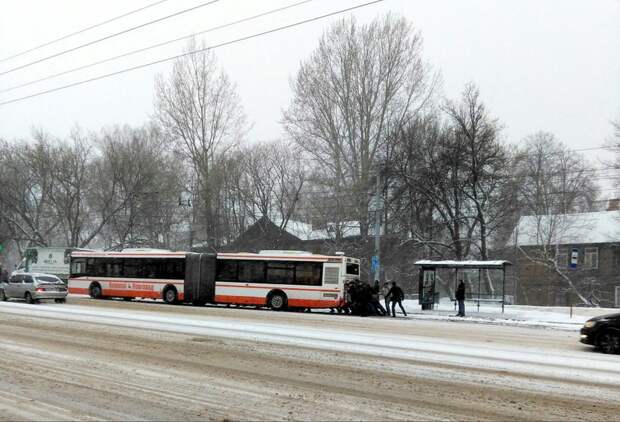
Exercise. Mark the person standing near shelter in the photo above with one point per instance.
(396, 296)
(460, 298)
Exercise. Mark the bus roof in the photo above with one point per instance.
(277, 255)
(127, 254)
(280, 256)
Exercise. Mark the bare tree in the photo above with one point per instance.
(430, 165)
(141, 187)
(198, 107)
(71, 173)
(555, 182)
(272, 181)
(25, 199)
(554, 179)
(486, 164)
(361, 84)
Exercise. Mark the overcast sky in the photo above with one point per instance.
(540, 65)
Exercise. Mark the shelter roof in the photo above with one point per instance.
(498, 265)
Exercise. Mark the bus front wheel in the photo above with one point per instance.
(170, 295)
(277, 301)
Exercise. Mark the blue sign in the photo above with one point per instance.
(374, 263)
(574, 258)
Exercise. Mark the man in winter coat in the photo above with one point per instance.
(460, 298)
(396, 296)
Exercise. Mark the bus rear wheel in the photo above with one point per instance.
(277, 301)
(95, 291)
(170, 295)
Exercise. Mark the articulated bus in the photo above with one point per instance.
(277, 279)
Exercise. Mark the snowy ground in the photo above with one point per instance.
(117, 360)
(540, 316)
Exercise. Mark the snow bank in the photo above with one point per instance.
(552, 317)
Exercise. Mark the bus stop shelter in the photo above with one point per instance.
(428, 272)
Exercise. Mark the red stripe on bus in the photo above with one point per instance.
(262, 301)
(271, 287)
(123, 293)
(78, 290)
(241, 300)
(173, 282)
(309, 303)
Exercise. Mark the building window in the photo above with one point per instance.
(561, 258)
(590, 258)
(616, 258)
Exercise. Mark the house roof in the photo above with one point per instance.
(567, 229)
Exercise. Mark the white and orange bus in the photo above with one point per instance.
(277, 279)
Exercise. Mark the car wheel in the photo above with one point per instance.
(95, 291)
(609, 342)
(170, 296)
(60, 300)
(2, 296)
(277, 301)
(29, 298)
(127, 299)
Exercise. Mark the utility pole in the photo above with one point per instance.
(378, 210)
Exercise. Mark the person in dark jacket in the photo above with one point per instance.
(460, 298)
(396, 295)
(378, 308)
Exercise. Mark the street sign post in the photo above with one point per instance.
(374, 263)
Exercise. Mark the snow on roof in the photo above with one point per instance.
(567, 229)
(305, 231)
(462, 264)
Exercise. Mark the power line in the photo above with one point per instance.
(64, 37)
(202, 50)
(125, 31)
(141, 50)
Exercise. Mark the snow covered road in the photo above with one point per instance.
(217, 363)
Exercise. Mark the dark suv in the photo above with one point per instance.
(603, 332)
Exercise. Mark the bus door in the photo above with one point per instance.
(332, 279)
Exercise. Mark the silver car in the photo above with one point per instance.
(33, 287)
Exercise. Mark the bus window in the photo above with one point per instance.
(131, 267)
(226, 270)
(353, 269)
(78, 267)
(252, 271)
(308, 273)
(281, 272)
(114, 267)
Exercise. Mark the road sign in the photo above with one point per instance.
(376, 204)
(574, 258)
(374, 263)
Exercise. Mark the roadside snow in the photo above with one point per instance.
(518, 315)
